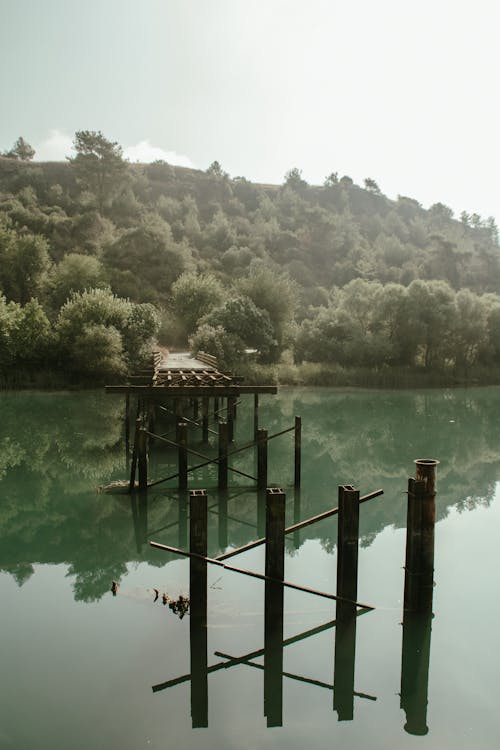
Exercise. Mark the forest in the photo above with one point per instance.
(100, 259)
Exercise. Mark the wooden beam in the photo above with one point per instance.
(190, 391)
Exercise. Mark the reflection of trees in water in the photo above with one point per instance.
(59, 447)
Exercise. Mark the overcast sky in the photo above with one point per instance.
(403, 92)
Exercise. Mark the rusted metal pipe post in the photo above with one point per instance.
(182, 455)
(198, 513)
(142, 456)
(273, 607)
(223, 449)
(347, 552)
(421, 519)
(298, 443)
(261, 459)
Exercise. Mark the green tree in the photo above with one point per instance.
(194, 296)
(99, 164)
(241, 317)
(272, 291)
(294, 180)
(31, 335)
(24, 263)
(372, 186)
(226, 346)
(21, 150)
(74, 273)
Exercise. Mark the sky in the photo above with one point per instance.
(402, 92)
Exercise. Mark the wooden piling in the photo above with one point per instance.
(195, 408)
(204, 419)
(198, 512)
(261, 459)
(347, 551)
(298, 444)
(421, 518)
(216, 407)
(142, 456)
(182, 455)
(223, 449)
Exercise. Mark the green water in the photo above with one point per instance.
(78, 664)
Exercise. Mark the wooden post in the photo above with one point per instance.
(223, 449)
(347, 552)
(261, 459)
(198, 512)
(230, 418)
(273, 608)
(204, 419)
(142, 457)
(421, 518)
(195, 408)
(298, 443)
(182, 455)
(216, 407)
(255, 415)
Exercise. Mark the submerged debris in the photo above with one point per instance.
(179, 607)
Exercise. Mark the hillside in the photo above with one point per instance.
(338, 273)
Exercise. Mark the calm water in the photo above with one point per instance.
(78, 665)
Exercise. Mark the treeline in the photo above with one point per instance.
(337, 273)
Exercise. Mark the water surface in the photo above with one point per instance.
(79, 665)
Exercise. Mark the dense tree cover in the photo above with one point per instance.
(338, 273)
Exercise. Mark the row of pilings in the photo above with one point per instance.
(417, 611)
(145, 435)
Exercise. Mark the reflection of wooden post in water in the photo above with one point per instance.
(296, 517)
(142, 457)
(261, 459)
(347, 587)
(183, 520)
(223, 448)
(415, 670)
(273, 612)
(419, 565)
(222, 510)
(198, 607)
(127, 427)
(182, 455)
(297, 450)
(204, 419)
(231, 412)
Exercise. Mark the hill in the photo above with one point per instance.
(337, 273)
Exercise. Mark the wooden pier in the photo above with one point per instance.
(184, 387)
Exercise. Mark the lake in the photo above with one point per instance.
(82, 668)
